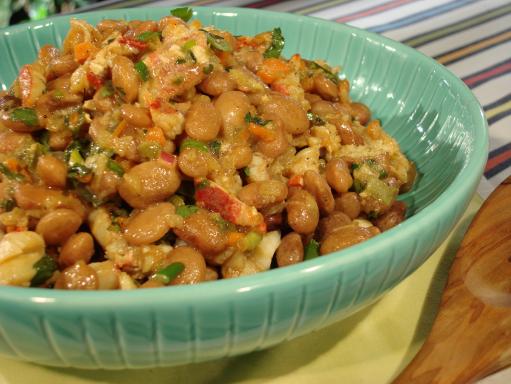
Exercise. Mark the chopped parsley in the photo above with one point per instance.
(10, 174)
(217, 42)
(184, 13)
(115, 167)
(315, 119)
(192, 143)
(142, 70)
(186, 210)
(311, 250)
(326, 72)
(255, 119)
(44, 270)
(277, 44)
(27, 116)
(149, 35)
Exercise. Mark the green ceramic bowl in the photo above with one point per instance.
(435, 118)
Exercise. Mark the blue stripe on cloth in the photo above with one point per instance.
(499, 150)
(421, 16)
(497, 169)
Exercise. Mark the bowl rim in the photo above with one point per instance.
(465, 182)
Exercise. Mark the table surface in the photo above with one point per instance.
(472, 39)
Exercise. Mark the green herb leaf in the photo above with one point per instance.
(215, 147)
(277, 44)
(177, 201)
(358, 186)
(217, 42)
(78, 170)
(311, 250)
(115, 227)
(115, 167)
(354, 166)
(107, 90)
(246, 171)
(186, 210)
(203, 184)
(372, 215)
(170, 272)
(315, 119)
(85, 194)
(44, 270)
(255, 119)
(149, 35)
(180, 61)
(184, 13)
(7, 205)
(142, 70)
(27, 116)
(328, 74)
(192, 143)
(208, 69)
(10, 174)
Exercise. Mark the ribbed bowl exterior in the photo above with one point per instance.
(435, 118)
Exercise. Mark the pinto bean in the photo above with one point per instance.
(195, 266)
(79, 246)
(58, 225)
(61, 65)
(325, 87)
(275, 147)
(391, 218)
(202, 121)
(151, 224)
(201, 231)
(344, 237)
(52, 171)
(242, 155)
(261, 194)
(338, 175)
(348, 135)
(137, 116)
(288, 111)
(216, 83)
(349, 203)
(60, 140)
(319, 188)
(232, 107)
(333, 222)
(302, 212)
(290, 250)
(194, 162)
(125, 77)
(360, 112)
(149, 182)
(79, 276)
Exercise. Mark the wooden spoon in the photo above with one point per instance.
(471, 336)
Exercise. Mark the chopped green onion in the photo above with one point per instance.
(217, 42)
(177, 201)
(10, 174)
(149, 35)
(142, 70)
(311, 250)
(251, 241)
(192, 143)
(246, 171)
(215, 147)
(315, 119)
(27, 116)
(184, 13)
(277, 44)
(7, 205)
(149, 150)
(170, 272)
(188, 45)
(115, 167)
(44, 270)
(354, 166)
(208, 69)
(186, 210)
(85, 194)
(255, 119)
(180, 61)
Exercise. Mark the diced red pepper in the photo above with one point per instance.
(168, 157)
(217, 200)
(140, 45)
(94, 80)
(155, 104)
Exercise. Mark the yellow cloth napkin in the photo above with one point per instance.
(370, 347)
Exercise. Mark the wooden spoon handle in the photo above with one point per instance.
(471, 336)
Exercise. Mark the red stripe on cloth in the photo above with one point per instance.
(494, 161)
(262, 3)
(372, 11)
(493, 72)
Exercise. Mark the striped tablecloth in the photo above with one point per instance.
(472, 38)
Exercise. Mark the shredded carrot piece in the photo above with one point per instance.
(234, 237)
(12, 164)
(119, 129)
(225, 57)
(196, 24)
(272, 69)
(280, 88)
(261, 132)
(82, 51)
(156, 135)
(295, 181)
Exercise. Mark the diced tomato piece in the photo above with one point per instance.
(140, 45)
(94, 80)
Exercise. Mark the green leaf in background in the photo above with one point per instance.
(184, 13)
(277, 44)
